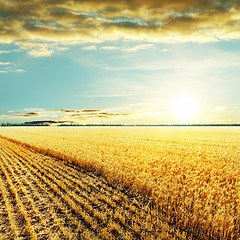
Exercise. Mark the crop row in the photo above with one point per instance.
(47, 198)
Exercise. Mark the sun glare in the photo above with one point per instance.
(184, 108)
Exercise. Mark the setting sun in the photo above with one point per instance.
(184, 108)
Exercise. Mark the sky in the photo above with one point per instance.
(120, 62)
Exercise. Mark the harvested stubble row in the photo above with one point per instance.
(42, 197)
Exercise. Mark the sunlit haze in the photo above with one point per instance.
(184, 108)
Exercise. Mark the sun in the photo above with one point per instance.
(184, 108)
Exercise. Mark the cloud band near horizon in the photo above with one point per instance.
(71, 115)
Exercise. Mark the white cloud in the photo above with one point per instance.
(20, 70)
(1, 52)
(138, 47)
(91, 48)
(109, 48)
(40, 49)
(34, 109)
(6, 63)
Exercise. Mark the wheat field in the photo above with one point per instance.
(182, 182)
(45, 198)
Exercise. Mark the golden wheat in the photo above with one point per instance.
(46, 198)
(190, 174)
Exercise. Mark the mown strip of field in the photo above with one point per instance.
(42, 197)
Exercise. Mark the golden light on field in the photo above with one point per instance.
(184, 108)
(191, 174)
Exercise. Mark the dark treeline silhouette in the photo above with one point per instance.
(49, 123)
(148, 125)
(21, 124)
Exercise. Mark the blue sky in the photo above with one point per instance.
(120, 63)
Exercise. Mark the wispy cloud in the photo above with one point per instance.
(9, 67)
(138, 47)
(112, 48)
(74, 111)
(107, 95)
(37, 49)
(71, 115)
(90, 48)
(6, 63)
(70, 22)
(19, 70)
(1, 52)
(24, 115)
(51, 122)
(34, 109)
(109, 48)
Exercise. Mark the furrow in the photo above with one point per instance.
(99, 198)
(133, 226)
(91, 185)
(17, 214)
(32, 197)
(73, 173)
(73, 170)
(73, 199)
(5, 225)
(62, 193)
(67, 193)
(8, 227)
(84, 205)
(62, 207)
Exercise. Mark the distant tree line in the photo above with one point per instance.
(117, 125)
(149, 125)
(21, 124)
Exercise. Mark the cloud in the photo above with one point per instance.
(9, 67)
(99, 115)
(92, 48)
(40, 49)
(72, 115)
(23, 115)
(139, 47)
(26, 115)
(107, 95)
(90, 110)
(74, 111)
(51, 122)
(34, 109)
(19, 70)
(1, 52)
(92, 21)
(110, 48)
(6, 63)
